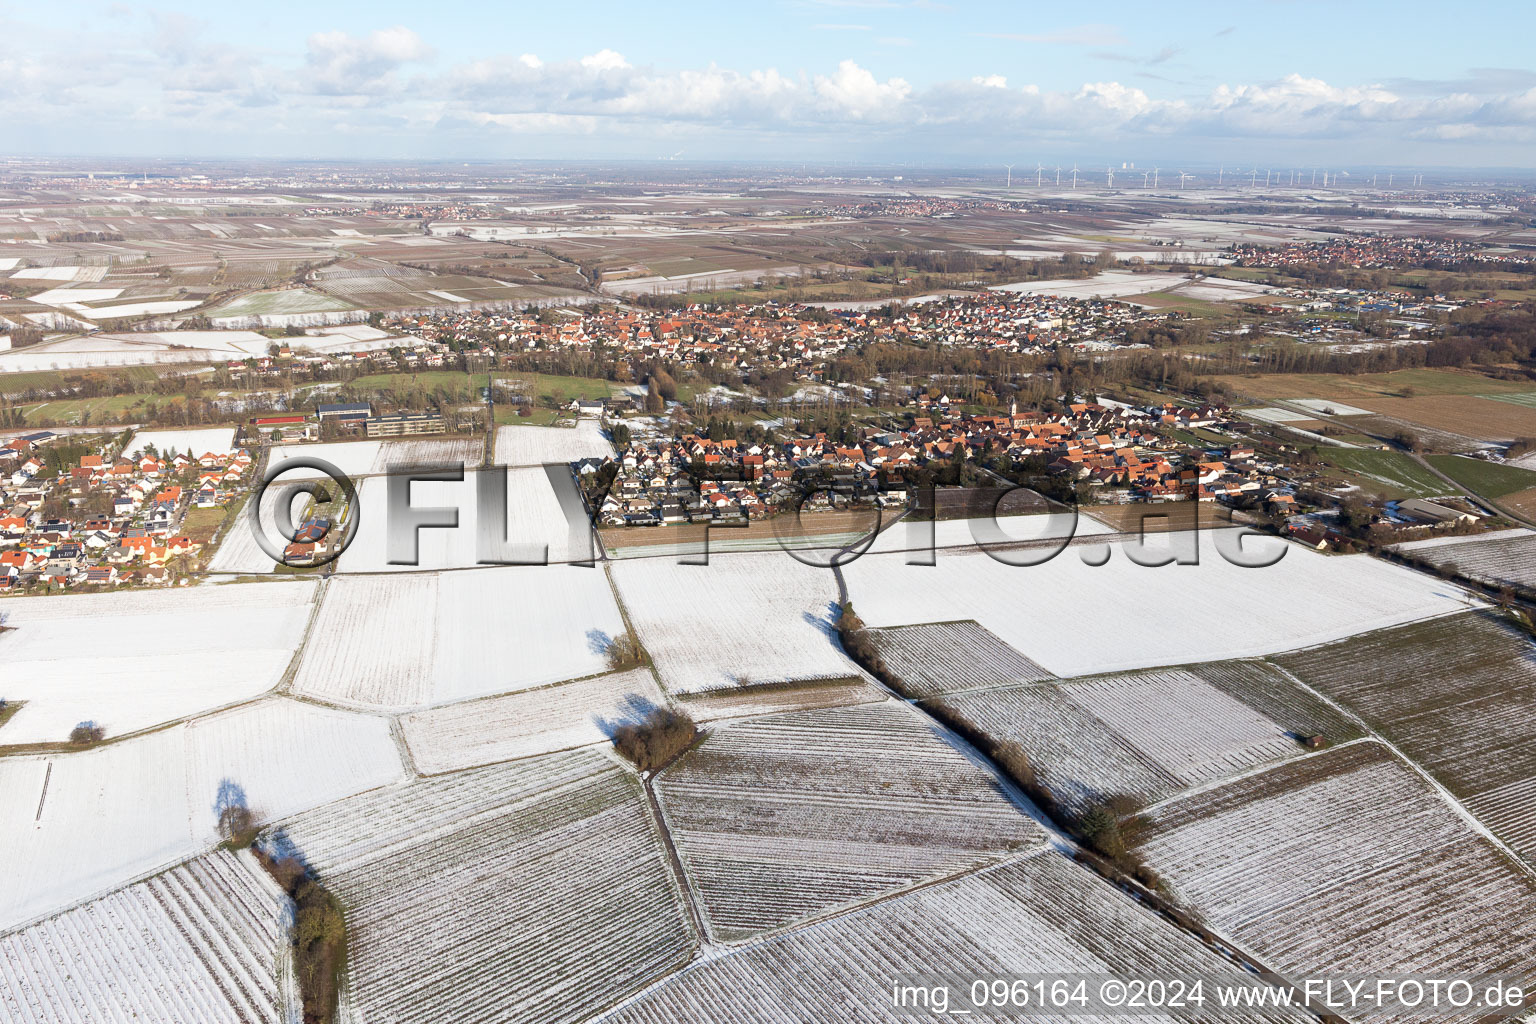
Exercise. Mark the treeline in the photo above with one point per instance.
(1470, 275)
(85, 236)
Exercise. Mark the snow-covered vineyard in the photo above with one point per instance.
(1458, 696)
(1037, 915)
(789, 816)
(936, 658)
(1355, 838)
(203, 942)
(1150, 734)
(438, 747)
(476, 896)
(1507, 558)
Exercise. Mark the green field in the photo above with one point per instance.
(1486, 478)
(93, 411)
(428, 379)
(550, 387)
(15, 383)
(1391, 474)
(1525, 398)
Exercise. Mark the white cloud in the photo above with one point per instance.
(605, 60)
(379, 84)
(344, 64)
(855, 92)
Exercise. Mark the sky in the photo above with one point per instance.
(906, 82)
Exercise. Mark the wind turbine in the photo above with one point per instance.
(1074, 174)
(1182, 176)
(1039, 171)
(1146, 176)
(1253, 179)
(1221, 175)
(1010, 175)
(1154, 176)
(1109, 174)
(1058, 174)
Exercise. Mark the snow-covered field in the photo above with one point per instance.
(1328, 407)
(374, 458)
(514, 725)
(535, 446)
(537, 524)
(412, 641)
(911, 535)
(1055, 612)
(789, 816)
(75, 825)
(212, 440)
(533, 891)
(1271, 414)
(202, 942)
(60, 273)
(238, 551)
(1110, 284)
(742, 619)
(132, 660)
(1039, 915)
(1355, 838)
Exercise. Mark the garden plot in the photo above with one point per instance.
(515, 725)
(536, 446)
(536, 891)
(783, 818)
(203, 942)
(1458, 696)
(410, 641)
(741, 620)
(941, 657)
(538, 525)
(1507, 558)
(214, 440)
(1039, 915)
(158, 796)
(1354, 838)
(1053, 613)
(133, 660)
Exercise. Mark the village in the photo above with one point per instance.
(92, 510)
